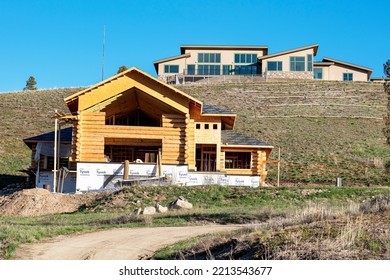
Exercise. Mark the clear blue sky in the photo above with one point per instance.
(59, 42)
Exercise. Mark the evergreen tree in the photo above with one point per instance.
(30, 84)
(121, 69)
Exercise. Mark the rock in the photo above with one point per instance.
(150, 210)
(180, 203)
(136, 212)
(161, 209)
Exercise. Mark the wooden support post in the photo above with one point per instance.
(55, 152)
(159, 163)
(126, 170)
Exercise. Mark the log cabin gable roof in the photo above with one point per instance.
(106, 91)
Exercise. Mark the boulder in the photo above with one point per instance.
(161, 209)
(180, 203)
(149, 210)
(136, 212)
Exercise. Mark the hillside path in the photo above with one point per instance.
(115, 244)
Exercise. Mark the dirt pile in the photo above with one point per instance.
(37, 202)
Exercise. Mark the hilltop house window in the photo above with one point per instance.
(191, 69)
(171, 68)
(318, 73)
(209, 57)
(309, 62)
(245, 70)
(245, 58)
(274, 65)
(297, 63)
(209, 69)
(347, 77)
(237, 160)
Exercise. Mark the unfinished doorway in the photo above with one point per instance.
(206, 157)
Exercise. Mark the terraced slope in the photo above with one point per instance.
(325, 129)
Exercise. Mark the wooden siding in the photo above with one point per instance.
(91, 134)
(258, 166)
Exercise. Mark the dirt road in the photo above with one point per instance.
(115, 244)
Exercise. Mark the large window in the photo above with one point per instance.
(274, 66)
(171, 69)
(347, 77)
(237, 160)
(209, 57)
(191, 69)
(226, 70)
(309, 62)
(209, 69)
(297, 63)
(318, 73)
(245, 58)
(245, 70)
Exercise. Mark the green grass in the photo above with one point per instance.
(214, 204)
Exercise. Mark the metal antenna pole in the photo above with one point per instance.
(104, 43)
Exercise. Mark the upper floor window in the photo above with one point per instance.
(347, 77)
(309, 62)
(209, 57)
(245, 58)
(171, 69)
(297, 63)
(274, 65)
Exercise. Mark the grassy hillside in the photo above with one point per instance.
(324, 129)
(22, 115)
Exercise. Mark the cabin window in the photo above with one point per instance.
(120, 153)
(347, 77)
(215, 126)
(171, 68)
(297, 63)
(206, 126)
(274, 65)
(48, 162)
(135, 118)
(198, 126)
(238, 160)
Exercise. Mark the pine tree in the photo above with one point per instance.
(30, 84)
(121, 69)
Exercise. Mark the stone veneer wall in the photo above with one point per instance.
(289, 75)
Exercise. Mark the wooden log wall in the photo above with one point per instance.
(91, 134)
(258, 168)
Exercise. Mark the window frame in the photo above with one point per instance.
(168, 68)
(297, 61)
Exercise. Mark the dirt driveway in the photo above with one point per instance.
(115, 244)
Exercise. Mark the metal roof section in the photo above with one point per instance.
(222, 47)
(212, 110)
(232, 138)
(315, 47)
(368, 70)
(65, 136)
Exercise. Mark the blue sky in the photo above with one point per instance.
(59, 42)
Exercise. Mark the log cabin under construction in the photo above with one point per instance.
(162, 131)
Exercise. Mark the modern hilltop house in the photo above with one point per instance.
(197, 62)
(162, 131)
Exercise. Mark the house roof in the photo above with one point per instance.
(322, 63)
(212, 110)
(65, 136)
(365, 69)
(233, 138)
(157, 62)
(223, 47)
(315, 47)
(133, 73)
